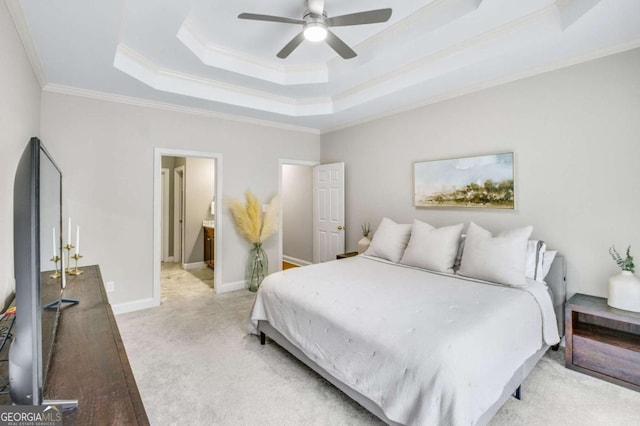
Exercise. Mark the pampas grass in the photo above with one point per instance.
(254, 215)
(249, 220)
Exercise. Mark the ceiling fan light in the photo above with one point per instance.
(315, 31)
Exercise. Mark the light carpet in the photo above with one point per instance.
(196, 365)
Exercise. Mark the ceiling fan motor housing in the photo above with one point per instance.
(315, 26)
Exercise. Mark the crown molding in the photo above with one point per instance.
(73, 91)
(15, 10)
(128, 100)
(575, 60)
(435, 64)
(137, 66)
(430, 62)
(250, 66)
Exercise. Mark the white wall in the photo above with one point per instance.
(19, 121)
(576, 136)
(107, 155)
(297, 212)
(200, 187)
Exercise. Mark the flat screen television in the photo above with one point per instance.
(37, 239)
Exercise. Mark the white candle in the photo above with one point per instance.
(69, 231)
(78, 240)
(53, 234)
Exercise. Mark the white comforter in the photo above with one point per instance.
(428, 348)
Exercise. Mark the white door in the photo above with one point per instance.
(165, 215)
(178, 209)
(328, 209)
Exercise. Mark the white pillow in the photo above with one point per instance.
(533, 263)
(547, 260)
(431, 248)
(499, 259)
(390, 240)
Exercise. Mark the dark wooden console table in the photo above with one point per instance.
(89, 362)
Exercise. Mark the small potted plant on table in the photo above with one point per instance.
(364, 242)
(624, 288)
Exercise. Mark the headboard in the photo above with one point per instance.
(557, 283)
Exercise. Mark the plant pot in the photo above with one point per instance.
(624, 292)
(257, 267)
(363, 245)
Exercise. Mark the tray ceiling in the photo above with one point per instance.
(198, 55)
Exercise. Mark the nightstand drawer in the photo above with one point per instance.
(613, 361)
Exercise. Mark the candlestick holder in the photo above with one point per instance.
(57, 274)
(75, 270)
(68, 248)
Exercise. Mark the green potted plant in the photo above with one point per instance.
(624, 288)
(625, 264)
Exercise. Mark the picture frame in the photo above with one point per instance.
(481, 181)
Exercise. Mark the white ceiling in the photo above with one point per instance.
(197, 55)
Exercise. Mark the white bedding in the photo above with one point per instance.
(426, 348)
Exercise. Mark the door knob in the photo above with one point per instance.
(340, 227)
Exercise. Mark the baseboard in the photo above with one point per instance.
(296, 261)
(194, 265)
(232, 286)
(168, 259)
(136, 305)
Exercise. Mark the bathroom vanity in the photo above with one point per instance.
(209, 244)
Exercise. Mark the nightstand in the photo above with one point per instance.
(345, 255)
(602, 341)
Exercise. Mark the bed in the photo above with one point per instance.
(412, 346)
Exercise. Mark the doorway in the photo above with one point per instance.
(194, 185)
(296, 213)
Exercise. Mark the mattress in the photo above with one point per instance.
(426, 348)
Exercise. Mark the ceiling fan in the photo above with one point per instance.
(316, 24)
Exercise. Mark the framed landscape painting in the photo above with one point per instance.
(485, 181)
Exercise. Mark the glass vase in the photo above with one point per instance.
(257, 266)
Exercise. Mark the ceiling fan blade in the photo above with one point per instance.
(340, 46)
(316, 6)
(360, 18)
(269, 18)
(291, 46)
